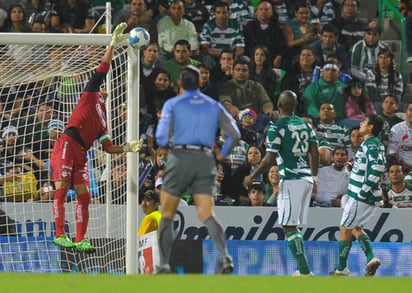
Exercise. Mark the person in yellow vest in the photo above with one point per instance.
(150, 206)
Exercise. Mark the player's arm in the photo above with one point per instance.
(314, 158)
(228, 125)
(108, 146)
(97, 79)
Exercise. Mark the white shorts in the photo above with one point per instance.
(356, 214)
(293, 201)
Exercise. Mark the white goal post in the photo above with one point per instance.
(52, 69)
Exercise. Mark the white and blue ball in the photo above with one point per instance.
(139, 38)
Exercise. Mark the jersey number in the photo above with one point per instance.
(301, 142)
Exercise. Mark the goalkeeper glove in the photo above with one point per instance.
(133, 146)
(118, 36)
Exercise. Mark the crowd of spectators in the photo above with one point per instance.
(247, 52)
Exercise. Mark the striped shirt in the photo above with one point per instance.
(282, 13)
(327, 13)
(379, 92)
(229, 38)
(291, 137)
(364, 57)
(336, 134)
(368, 167)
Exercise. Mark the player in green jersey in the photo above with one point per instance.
(292, 144)
(364, 195)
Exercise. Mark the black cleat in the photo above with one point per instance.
(225, 266)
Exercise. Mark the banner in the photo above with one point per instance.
(239, 223)
(148, 253)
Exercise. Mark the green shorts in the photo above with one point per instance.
(189, 168)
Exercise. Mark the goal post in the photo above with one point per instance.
(52, 69)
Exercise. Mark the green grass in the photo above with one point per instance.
(76, 283)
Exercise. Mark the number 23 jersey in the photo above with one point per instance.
(291, 137)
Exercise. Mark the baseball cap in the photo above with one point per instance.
(257, 185)
(152, 195)
(375, 30)
(249, 112)
(9, 129)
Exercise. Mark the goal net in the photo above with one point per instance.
(40, 84)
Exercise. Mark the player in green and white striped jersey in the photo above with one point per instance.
(293, 144)
(364, 195)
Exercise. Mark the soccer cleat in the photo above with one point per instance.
(163, 269)
(372, 266)
(85, 246)
(344, 272)
(64, 242)
(225, 265)
(298, 274)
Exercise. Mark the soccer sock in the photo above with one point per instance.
(296, 246)
(165, 240)
(365, 243)
(82, 215)
(344, 249)
(59, 210)
(217, 234)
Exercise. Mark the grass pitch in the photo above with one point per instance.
(76, 283)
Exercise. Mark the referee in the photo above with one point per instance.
(190, 122)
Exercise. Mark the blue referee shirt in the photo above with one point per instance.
(193, 118)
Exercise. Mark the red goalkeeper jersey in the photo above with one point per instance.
(89, 116)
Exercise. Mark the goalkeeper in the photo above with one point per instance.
(68, 160)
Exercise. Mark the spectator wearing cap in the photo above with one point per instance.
(364, 53)
(247, 122)
(256, 194)
(9, 145)
(327, 88)
(150, 206)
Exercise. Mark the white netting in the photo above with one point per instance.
(38, 84)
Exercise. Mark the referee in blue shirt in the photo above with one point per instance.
(190, 123)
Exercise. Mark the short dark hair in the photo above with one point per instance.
(395, 159)
(376, 121)
(357, 2)
(221, 4)
(229, 51)
(330, 28)
(189, 77)
(242, 60)
(340, 148)
(182, 42)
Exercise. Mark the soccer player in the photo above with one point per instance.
(364, 195)
(190, 121)
(292, 142)
(68, 160)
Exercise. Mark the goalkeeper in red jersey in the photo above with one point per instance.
(68, 160)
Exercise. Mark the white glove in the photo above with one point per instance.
(118, 36)
(133, 146)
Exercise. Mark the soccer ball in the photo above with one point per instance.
(139, 38)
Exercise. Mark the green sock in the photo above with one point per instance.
(344, 248)
(295, 244)
(365, 243)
